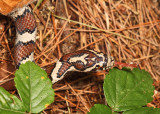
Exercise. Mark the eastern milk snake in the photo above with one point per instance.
(82, 61)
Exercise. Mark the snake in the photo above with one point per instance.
(81, 61)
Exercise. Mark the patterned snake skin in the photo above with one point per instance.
(82, 61)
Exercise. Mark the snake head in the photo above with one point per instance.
(105, 62)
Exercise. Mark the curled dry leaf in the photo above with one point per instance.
(6, 6)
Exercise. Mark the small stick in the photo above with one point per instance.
(125, 64)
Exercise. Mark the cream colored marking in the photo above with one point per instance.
(19, 11)
(103, 59)
(93, 51)
(54, 74)
(26, 37)
(30, 58)
(55, 71)
(82, 58)
(110, 62)
(93, 59)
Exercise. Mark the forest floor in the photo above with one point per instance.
(128, 30)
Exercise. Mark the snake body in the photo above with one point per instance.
(26, 32)
(82, 61)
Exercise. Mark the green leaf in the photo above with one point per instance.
(125, 89)
(34, 87)
(10, 104)
(100, 109)
(143, 110)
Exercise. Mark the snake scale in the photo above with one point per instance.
(82, 61)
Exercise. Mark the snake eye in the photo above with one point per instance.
(97, 66)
